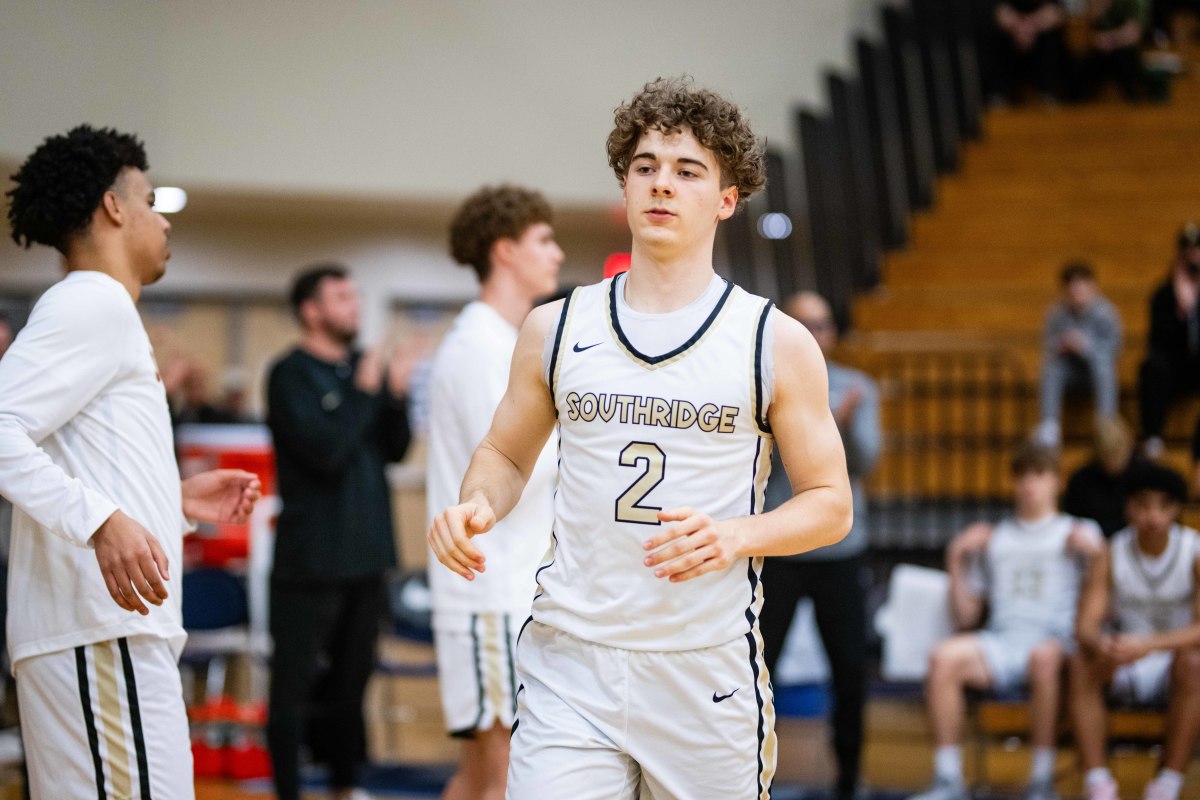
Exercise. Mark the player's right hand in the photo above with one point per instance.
(451, 532)
(132, 562)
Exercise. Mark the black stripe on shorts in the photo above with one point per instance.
(85, 695)
(135, 719)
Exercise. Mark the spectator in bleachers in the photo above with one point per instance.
(1026, 571)
(1172, 365)
(1147, 581)
(831, 576)
(1080, 344)
(1114, 51)
(1098, 490)
(1026, 43)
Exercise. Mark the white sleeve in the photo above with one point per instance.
(69, 352)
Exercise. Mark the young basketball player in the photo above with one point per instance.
(1026, 570)
(641, 667)
(88, 462)
(504, 234)
(1147, 582)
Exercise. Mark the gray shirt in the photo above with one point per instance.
(861, 438)
(1100, 324)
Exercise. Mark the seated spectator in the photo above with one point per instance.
(1114, 51)
(1026, 43)
(1099, 488)
(1080, 344)
(1147, 582)
(1026, 570)
(1172, 365)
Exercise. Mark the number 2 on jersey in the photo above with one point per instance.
(653, 462)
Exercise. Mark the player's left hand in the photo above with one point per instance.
(1125, 649)
(221, 496)
(697, 545)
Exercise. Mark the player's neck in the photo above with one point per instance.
(1153, 543)
(507, 299)
(93, 256)
(1035, 513)
(659, 286)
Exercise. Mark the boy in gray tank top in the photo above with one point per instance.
(1026, 572)
(1145, 582)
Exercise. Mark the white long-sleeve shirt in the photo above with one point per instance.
(84, 431)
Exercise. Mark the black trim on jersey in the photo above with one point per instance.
(759, 411)
(558, 336)
(512, 671)
(762, 723)
(89, 718)
(512, 732)
(537, 576)
(135, 719)
(754, 476)
(478, 670)
(695, 337)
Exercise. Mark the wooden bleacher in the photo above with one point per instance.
(1108, 183)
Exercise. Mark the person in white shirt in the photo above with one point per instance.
(1025, 571)
(504, 233)
(641, 667)
(1146, 582)
(87, 460)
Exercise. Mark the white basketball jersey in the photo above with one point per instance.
(1033, 581)
(639, 433)
(1153, 595)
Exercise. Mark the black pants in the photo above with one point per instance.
(1045, 64)
(839, 602)
(1123, 66)
(324, 635)
(1161, 380)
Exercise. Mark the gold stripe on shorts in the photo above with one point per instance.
(112, 718)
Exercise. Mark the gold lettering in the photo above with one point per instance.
(624, 401)
(684, 415)
(641, 411)
(660, 410)
(709, 417)
(728, 415)
(573, 406)
(587, 407)
(608, 406)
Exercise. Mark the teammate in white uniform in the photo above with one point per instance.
(1027, 571)
(1147, 583)
(641, 668)
(504, 233)
(87, 460)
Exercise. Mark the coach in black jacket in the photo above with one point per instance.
(337, 417)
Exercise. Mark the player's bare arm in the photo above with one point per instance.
(1126, 649)
(504, 460)
(820, 512)
(966, 603)
(1093, 604)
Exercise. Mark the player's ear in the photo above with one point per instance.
(729, 200)
(110, 207)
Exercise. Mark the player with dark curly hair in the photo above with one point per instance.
(641, 668)
(504, 233)
(87, 460)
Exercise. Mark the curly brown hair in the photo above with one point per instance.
(492, 213)
(671, 104)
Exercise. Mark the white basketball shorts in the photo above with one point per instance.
(601, 723)
(476, 678)
(106, 720)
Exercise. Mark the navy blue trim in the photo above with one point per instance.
(754, 477)
(695, 337)
(760, 412)
(537, 576)
(558, 336)
(512, 670)
(521, 632)
(135, 719)
(478, 670)
(762, 722)
(89, 718)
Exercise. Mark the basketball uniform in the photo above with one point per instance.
(476, 623)
(1032, 585)
(628, 680)
(1151, 595)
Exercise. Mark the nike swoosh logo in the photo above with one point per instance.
(579, 349)
(724, 696)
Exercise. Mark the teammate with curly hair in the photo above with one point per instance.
(88, 462)
(504, 233)
(641, 668)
